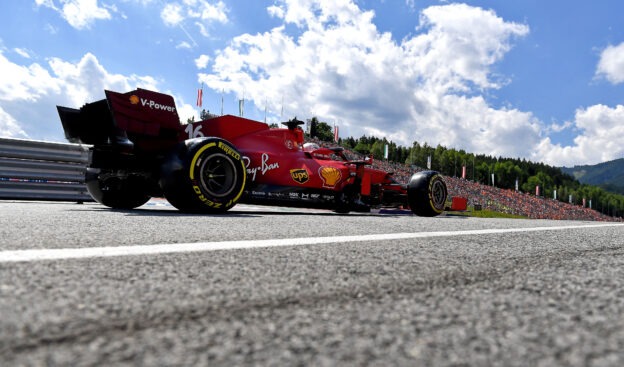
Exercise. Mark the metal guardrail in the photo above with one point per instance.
(38, 170)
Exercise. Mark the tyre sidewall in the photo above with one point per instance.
(422, 191)
(187, 189)
(232, 159)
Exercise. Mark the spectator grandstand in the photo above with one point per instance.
(518, 203)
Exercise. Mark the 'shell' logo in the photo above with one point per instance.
(299, 175)
(330, 175)
(134, 99)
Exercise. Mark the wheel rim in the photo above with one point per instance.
(438, 194)
(218, 175)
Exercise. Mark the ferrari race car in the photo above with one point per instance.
(141, 150)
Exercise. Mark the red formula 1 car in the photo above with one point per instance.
(140, 150)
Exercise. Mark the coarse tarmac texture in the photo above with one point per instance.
(536, 298)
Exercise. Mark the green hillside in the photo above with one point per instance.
(608, 175)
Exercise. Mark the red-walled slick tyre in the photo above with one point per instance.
(426, 194)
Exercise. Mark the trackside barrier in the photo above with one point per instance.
(38, 170)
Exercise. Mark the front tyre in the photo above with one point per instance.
(116, 190)
(204, 175)
(426, 194)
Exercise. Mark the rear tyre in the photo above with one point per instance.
(205, 175)
(116, 191)
(426, 194)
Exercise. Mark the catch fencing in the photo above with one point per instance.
(37, 170)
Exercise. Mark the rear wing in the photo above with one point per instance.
(137, 114)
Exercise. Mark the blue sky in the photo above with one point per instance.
(541, 80)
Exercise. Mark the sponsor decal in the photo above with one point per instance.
(300, 175)
(289, 144)
(153, 105)
(264, 167)
(229, 151)
(204, 199)
(330, 175)
(134, 99)
(436, 198)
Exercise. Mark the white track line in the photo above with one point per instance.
(94, 252)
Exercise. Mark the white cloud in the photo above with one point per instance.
(202, 61)
(341, 68)
(86, 80)
(314, 14)
(29, 94)
(22, 52)
(184, 46)
(172, 14)
(275, 11)
(600, 129)
(469, 122)
(186, 111)
(47, 3)
(600, 140)
(560, 127)
(611, 64)
(328, 59)
(427, 87)
(216, 12)
(25, 83)
(80, 14)
(202, 29)
(9, 128)
(461, 45)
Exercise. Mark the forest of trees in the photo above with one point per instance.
(480, 168)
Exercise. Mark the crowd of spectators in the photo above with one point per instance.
(493, 198)
(519, 203)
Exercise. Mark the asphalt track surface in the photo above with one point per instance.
(82, 285)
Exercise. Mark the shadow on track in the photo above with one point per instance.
(257, 211)
(233, 213)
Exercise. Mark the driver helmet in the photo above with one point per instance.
(310, 147)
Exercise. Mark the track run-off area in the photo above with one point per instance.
(81, 284)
